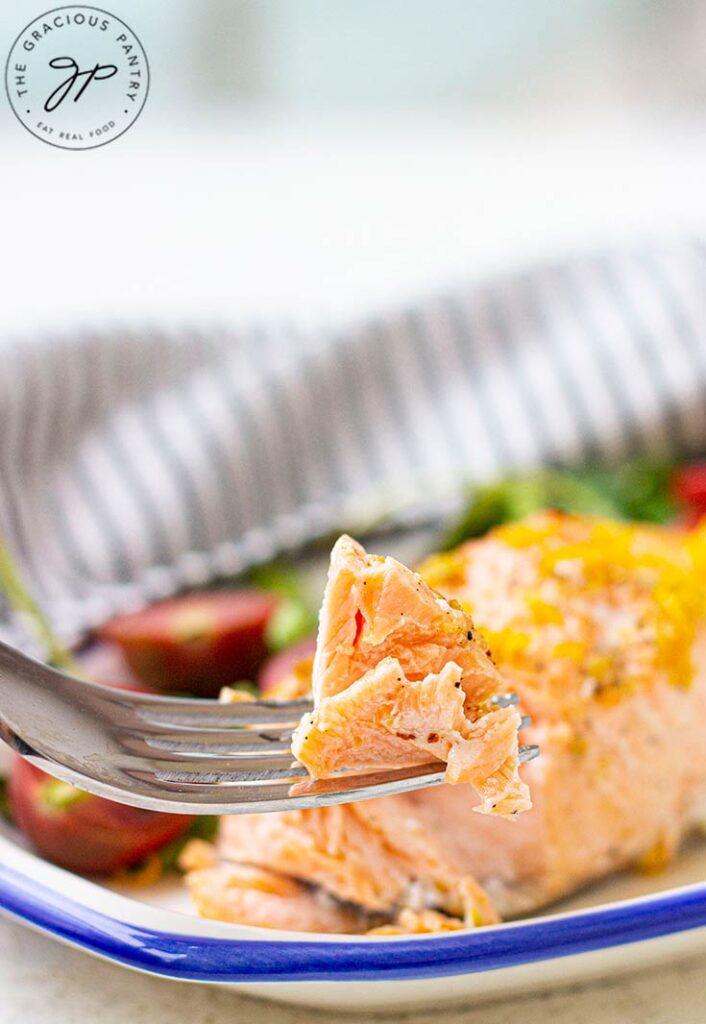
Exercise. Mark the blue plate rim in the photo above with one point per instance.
(211, 959)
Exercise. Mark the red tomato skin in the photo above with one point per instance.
(688, 484)
(197, 643)
(692, 517)
(280, 665)
(93, 836)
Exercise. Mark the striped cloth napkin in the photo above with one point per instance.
(133, 463)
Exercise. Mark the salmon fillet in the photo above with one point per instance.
(261, 898)
(600, 627)
(401, 677)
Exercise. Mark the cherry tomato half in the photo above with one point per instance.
(196, 643)
(688, 484)
(82, 832)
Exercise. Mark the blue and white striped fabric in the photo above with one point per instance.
(133, 463)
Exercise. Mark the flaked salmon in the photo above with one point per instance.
(401, 677)
(600, 627)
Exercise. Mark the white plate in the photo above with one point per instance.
(629, 922)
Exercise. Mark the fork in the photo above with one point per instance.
(178, 754)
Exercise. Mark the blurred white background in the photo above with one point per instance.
(319, 158)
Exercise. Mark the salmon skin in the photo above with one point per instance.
(600, 627)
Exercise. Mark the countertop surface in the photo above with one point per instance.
(42, 982)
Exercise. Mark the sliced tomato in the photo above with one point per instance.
(281, 665)
(81, 832)
(196, 643)
(689, 484)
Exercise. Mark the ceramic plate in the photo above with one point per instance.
(629, 922)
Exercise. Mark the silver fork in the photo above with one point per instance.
(177, 754)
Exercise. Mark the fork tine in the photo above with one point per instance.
(278, 794)
(240, 766)
(205, 743)
(527, 752)
(207, 715)
(505, 700)
(257, 776)
(258, 771)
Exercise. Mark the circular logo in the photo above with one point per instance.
(77, 77)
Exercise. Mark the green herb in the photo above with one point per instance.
(641, 487)
(204, 827)
(291, 622)
(518, 496)
(294, 618)
(638, 489)
(22, 602)
(278, 578)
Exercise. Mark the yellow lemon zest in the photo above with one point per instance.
(544, 613)
(574, 650)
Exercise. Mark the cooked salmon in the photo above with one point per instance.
(600, 627)
(401, 677)
(255, 896)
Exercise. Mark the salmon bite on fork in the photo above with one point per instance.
(400, 677)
